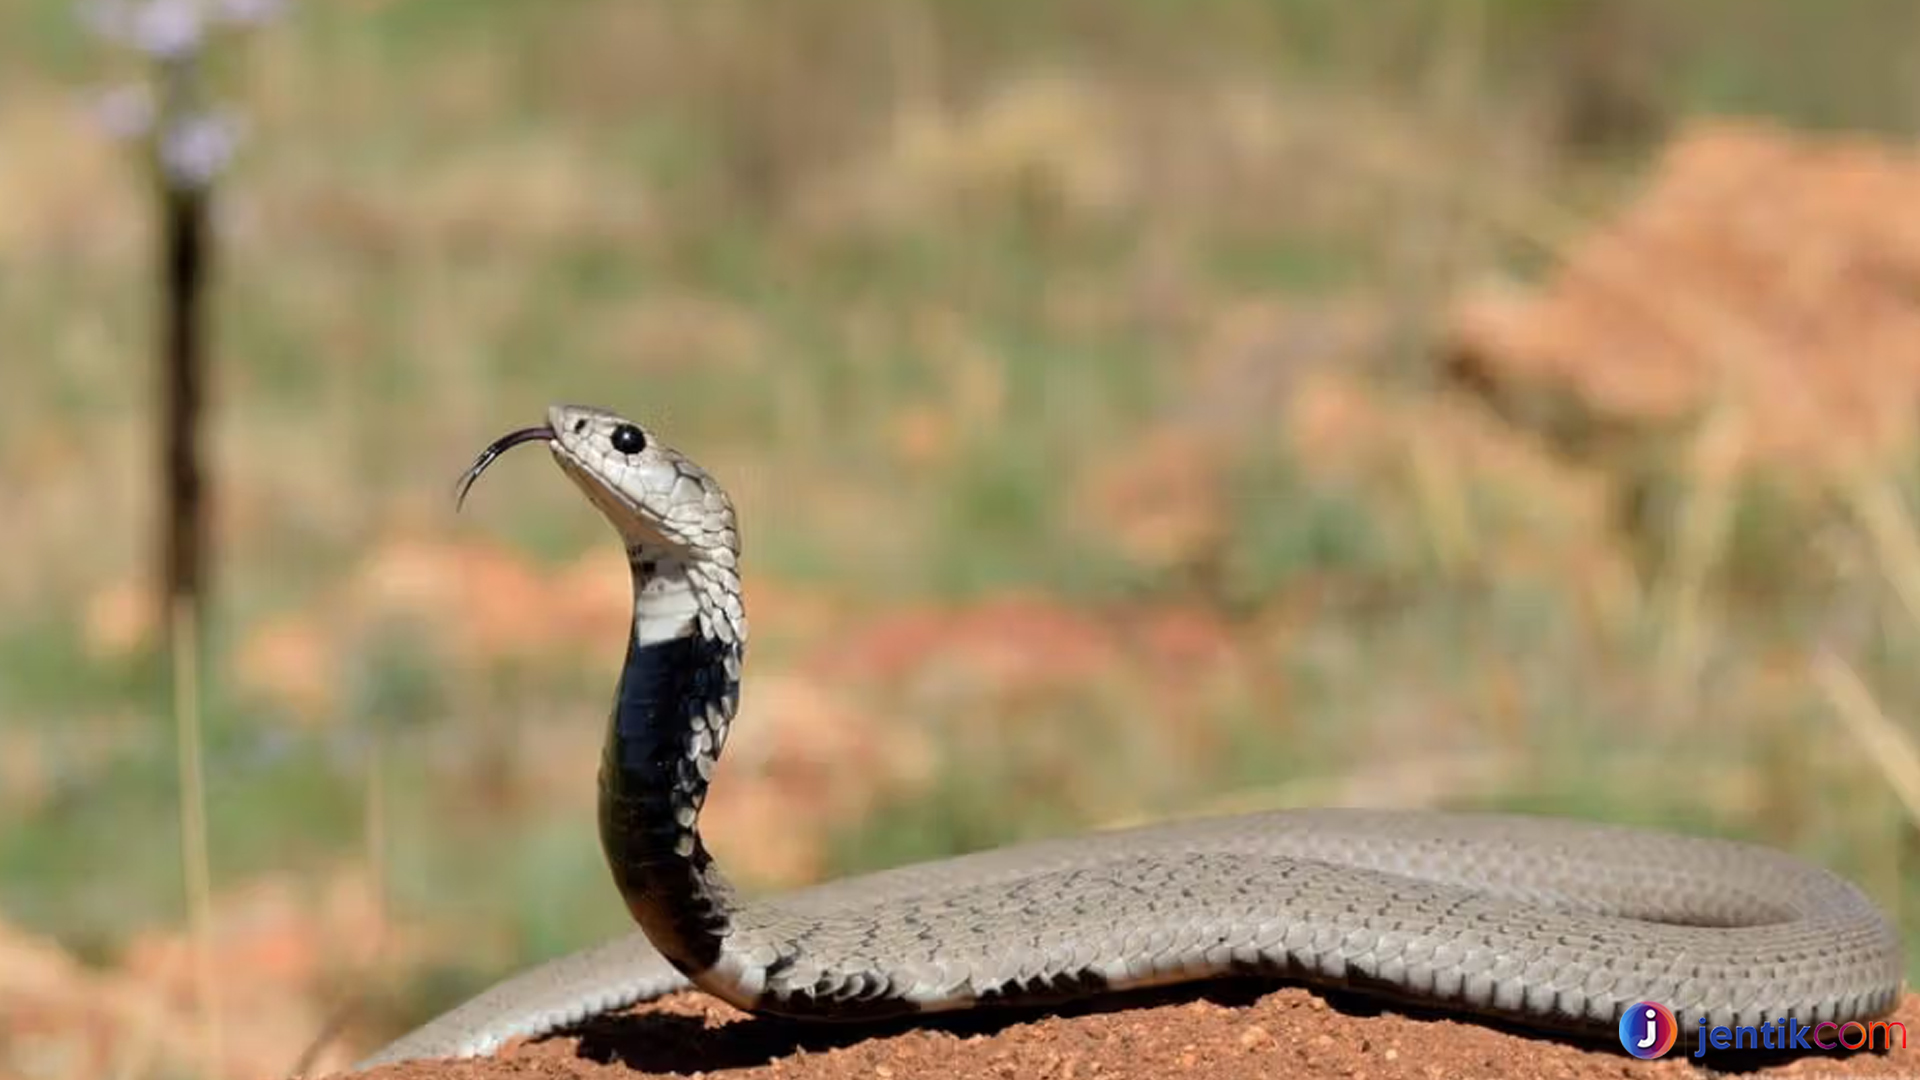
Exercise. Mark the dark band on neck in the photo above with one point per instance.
(652, 785)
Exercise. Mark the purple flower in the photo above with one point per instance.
(195, 148)
(163, 29)
(192, 143)
(168, 29)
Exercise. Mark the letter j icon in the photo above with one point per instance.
(1648, 1029)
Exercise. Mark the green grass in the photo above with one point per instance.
(450, 213)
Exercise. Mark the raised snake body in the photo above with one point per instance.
(1552, 923)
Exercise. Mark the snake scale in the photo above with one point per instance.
(1550, 923)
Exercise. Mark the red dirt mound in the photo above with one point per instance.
(1288, 1032)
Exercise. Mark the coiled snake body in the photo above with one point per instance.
(1551, 923)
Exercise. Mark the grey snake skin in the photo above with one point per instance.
(1550, 923)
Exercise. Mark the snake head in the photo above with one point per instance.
(649, 492)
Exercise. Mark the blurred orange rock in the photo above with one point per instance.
(1161, 502)
(1772, 274)
(923, 435)
(1006, 640)
(491, 601)
(278, 949)
(59, 1017)
(118, 621)
(804, 752)
(1017, 647)
(272, 937)
(290, 660)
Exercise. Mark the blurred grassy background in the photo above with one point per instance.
(1075, 367)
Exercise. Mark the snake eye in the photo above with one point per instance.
(629, 439)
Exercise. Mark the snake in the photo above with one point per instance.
(1541, 922)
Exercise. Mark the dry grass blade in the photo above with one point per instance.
(1697, 549)
(1444, 504)
(1886, 745)
(1894, 541)
(193, 824)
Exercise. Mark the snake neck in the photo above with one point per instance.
(679, 688)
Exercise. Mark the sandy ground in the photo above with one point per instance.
(1231, 1032)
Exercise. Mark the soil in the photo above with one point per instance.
(1228, 1032)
